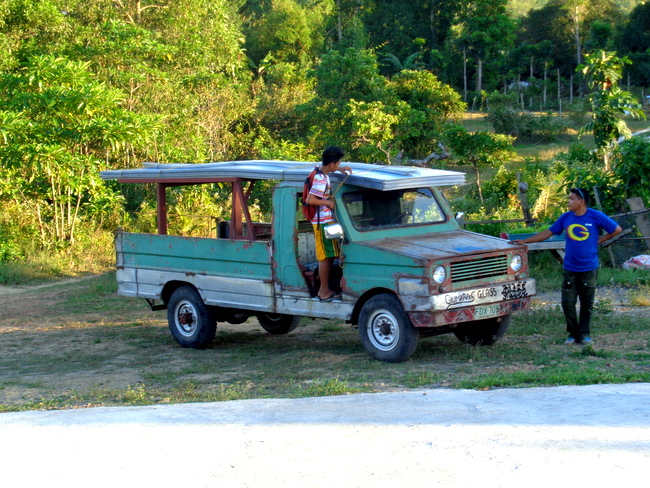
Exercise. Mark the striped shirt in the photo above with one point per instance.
(321, 188)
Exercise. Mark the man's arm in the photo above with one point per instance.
(607, 237)
(542, 236)
(345, 169)
(314, 200)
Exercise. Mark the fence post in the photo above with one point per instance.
(642, 220)
(600, 207)
(522, 190)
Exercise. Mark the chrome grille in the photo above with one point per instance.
(478, 269)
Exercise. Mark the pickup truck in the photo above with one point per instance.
(407, 268)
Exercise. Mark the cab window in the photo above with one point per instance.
(373, 210)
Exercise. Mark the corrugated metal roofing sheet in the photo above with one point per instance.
(373, 176)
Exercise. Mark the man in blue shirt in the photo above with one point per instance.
(582, 226)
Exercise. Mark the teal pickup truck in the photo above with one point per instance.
(407, 269)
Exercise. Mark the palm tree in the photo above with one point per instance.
(410, 63)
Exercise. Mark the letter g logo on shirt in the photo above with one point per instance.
(577, 232)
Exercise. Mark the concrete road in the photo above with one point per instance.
(593, 436)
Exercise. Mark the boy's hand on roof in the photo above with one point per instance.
(345, 169)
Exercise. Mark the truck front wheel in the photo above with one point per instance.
(386, 331)
(483, 332)
(190, 320)
(277, 323)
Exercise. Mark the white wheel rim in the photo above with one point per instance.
(383, 330)
(185, 328)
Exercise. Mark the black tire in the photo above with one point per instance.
(483, 332)
(190, 320)
(277, 323)
(386, 330)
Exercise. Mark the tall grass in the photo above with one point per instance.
(93, 253)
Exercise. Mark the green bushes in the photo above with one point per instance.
(506, 117)
(631, 165)
(628, 177)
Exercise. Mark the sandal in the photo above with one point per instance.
(331, 298)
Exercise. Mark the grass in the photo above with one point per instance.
(81, 345)
(545, 151)
(94, 254)
(548, 274)
(641, 296)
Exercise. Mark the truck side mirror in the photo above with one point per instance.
(333, 231)
(460, 217)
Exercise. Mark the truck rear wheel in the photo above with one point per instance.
(483, 332)
(190, 320)
(386, 331)
(278, 323)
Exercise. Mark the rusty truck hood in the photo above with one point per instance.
(440, 245)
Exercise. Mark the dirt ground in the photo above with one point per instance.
(35, 319)
(45, 322)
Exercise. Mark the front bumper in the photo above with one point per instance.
(473, 304)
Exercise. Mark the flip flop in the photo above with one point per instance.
(331, 298)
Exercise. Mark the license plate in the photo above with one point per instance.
(487, 311)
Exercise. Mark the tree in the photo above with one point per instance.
(609, 103)
(576, 10)
(488, 32)
(341, 76)
(570, 26)
(601, 36)
(550, 24)
(373, 127)
(431, 104)
(59, 125)
(583, 14)
(635, 43)
(410, 63)
(184, 61)
(399, 26)
(384, 117)
(479, 149)
(290, 30)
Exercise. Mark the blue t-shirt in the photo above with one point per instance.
(582, 233)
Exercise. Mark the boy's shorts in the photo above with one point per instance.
(325, 248)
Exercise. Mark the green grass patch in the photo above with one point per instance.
(553, 378)
(330, 387)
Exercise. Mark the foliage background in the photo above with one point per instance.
(88, 85)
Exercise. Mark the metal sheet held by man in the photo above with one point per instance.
(373, 176)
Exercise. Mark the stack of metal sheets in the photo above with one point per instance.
(373, 176)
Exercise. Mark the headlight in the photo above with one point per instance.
(439, 274)
(515, 263)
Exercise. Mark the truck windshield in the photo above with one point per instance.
(372, 209)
